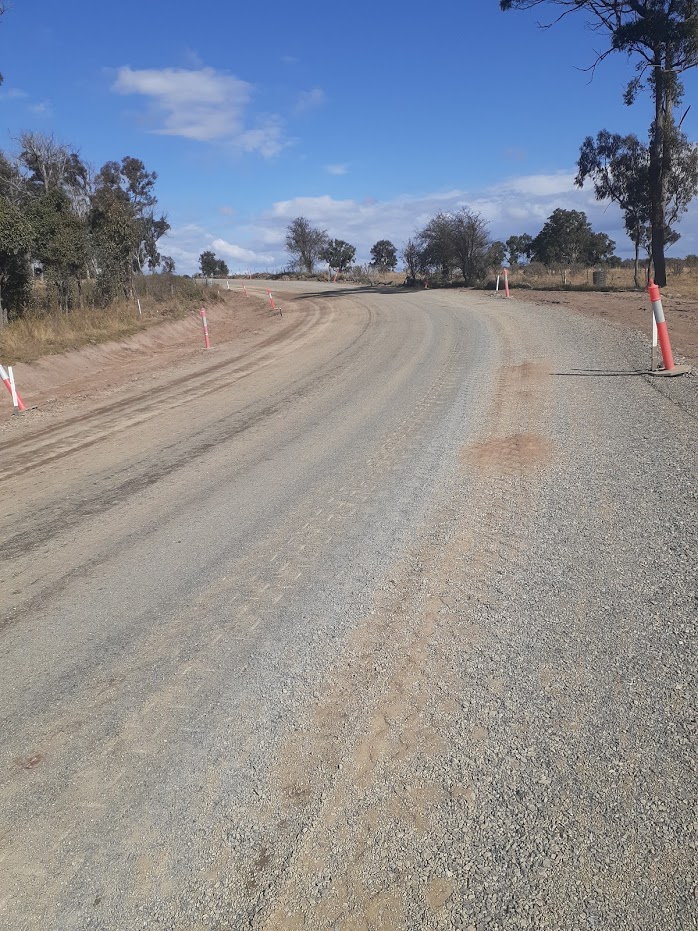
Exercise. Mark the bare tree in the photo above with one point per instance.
(304, 243)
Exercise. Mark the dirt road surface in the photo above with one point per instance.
(377, 616)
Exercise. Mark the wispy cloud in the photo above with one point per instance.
(201, 104)
(13, 93)
(310, 100)
(342, 169)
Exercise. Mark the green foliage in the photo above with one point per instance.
(519, 247)
(661, 36)
(16, 241)
(305, 244)
(60, 243)
(568, 239)
(211, 267)
(384, 255)
(338, 254)
(496, 254)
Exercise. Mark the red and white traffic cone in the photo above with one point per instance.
(9, 384)
(204, 321)
(662, 332)
(506, 282)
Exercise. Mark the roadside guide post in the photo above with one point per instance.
(506, 282)
(204, 321)
(9, 382)
(660, 332)
(496, 287)
(660, 321)
(271, 299)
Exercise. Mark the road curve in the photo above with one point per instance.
(365, 627)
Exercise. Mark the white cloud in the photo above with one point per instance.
(201, 104)
(518, 205)
(310, 100)
(342, 169)
(231, 251)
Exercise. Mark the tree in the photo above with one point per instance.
(519, 247)
(384, 255)
(436, 244)
(304, 243)
(211, 267)
(496, 255)
(16, 240)
(60, 243)
(568, 239)
(662, 37)
(124, 225)
(412, 257)
(469, 244)
(168, 265)
(619, 167)
(338, 254)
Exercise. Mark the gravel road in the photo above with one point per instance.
(386, 622)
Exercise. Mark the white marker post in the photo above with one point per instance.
(21, 406)
(207, 342)
(496, 289)
(140, 312)
(653, 360)
(13, 390)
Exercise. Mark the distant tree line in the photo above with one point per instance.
(65, 223)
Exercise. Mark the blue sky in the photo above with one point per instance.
(367, 122)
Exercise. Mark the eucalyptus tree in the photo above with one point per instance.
(661, 37)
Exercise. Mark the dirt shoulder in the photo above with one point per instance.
(628, 309)
(55, 382)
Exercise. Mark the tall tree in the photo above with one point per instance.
(436, 244)
(568, 239)
(60, 244)
(470, 242)
(662, 38)
(124, 224)
(304, 243)
(16, 241)
(619, 167)
(211, 267)
(384, 255)
(519, 247)
(338, 254)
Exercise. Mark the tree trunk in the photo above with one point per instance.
(3, 311)
(657, 178)
(637, 263)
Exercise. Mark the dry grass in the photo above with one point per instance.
(679, 284)
(42, 333)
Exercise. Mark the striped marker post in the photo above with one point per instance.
(271, 299)
(9, 383)
(244, 288)
(204, 321)
(506, 282)
(662, 332)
